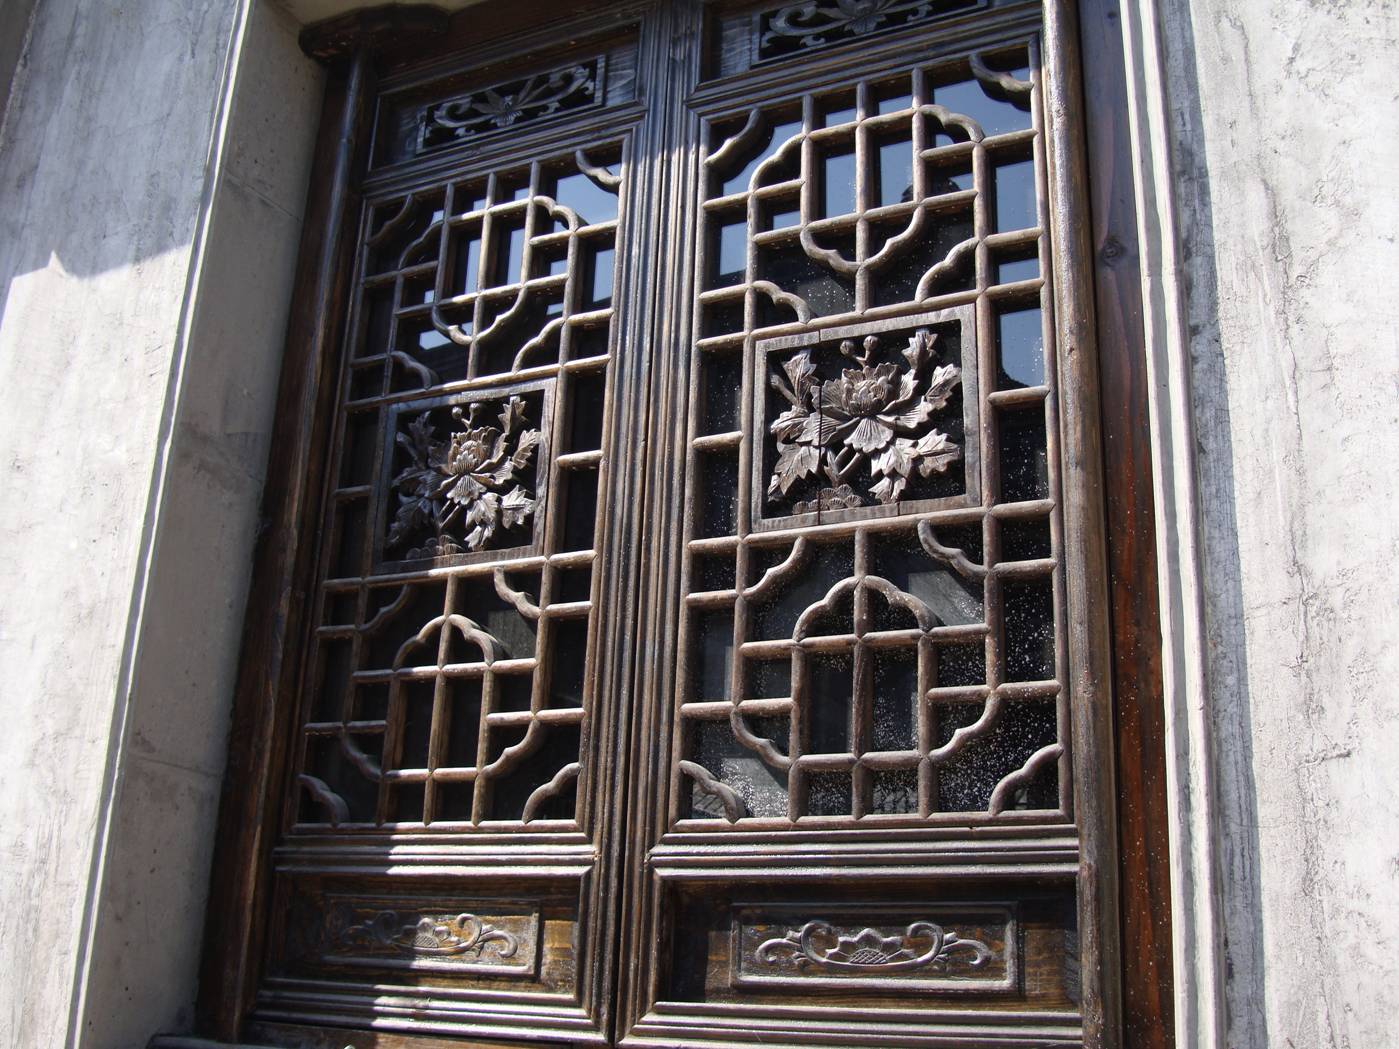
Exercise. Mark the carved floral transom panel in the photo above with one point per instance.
(805, 25)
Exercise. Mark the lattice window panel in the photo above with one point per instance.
(872, 627)
(450, 683)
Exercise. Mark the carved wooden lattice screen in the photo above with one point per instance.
(707, 639)
(870, 834)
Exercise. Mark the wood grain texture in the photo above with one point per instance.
(1139, 701)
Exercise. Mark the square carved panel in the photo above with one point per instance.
(866, 420)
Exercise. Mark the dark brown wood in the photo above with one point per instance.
(1148, 997)
(261, 730)
(1095, 780)
(663, 919)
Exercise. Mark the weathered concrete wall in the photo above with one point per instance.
(1286, 143)
(147, 237)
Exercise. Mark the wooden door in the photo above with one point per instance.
(692, 621)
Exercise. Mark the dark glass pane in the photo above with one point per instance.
(828, 684)
(762, 788)
(723, 386)
(718, 495)
(1029, 629)
(966, 782)
(895, 792)
(828, 794)
(895, 700)
(1024, 459)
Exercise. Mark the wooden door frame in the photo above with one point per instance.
(284, 559)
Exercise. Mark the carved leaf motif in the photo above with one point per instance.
(795, 462)
(872, 418)
(474, 476)
(935, 452)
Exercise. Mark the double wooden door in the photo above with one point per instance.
(691, 622)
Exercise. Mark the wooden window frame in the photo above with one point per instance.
(283, 567)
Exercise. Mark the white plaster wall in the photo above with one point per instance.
(147, 239)
(1286, 144)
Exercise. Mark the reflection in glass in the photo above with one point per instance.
(838, 184)
(895, 103)
(779, 136)
(733, 242)
(970, 99)
(1011, 270)
(1015, 196)
(468, 264)
(838, 114)
(586, 199)
(510, 254)
(601, 279)
(1020, 336)
(895, 172)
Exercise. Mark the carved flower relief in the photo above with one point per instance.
(443, 935)
(871, 423)
(468, 488)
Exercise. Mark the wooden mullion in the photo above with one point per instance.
(1139, 694)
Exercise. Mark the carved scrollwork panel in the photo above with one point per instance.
(937, 947)
(809, 24)
(494, 937)
(503, 106)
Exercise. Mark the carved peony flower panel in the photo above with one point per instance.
(864, 419)
(465, 477)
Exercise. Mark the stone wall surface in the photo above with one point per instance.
(1286, 143)
(147, 237)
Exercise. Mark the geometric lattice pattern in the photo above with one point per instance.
(449, 683)
(872, 627)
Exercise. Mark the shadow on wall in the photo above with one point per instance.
(106, 132)
(1228, 693)
(104, 176)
